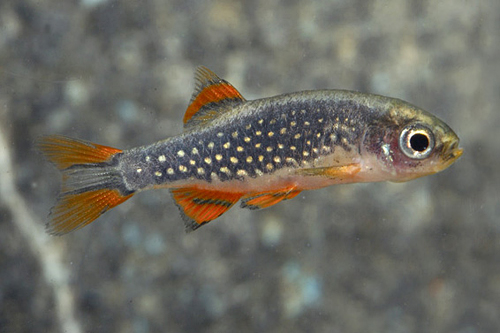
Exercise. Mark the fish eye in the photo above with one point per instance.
(416, 141)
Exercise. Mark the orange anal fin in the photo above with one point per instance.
(200, 206)
(65, 152)
(292, 195)
(74, 211)
(267, 199)
(210, 89)
(336, 172)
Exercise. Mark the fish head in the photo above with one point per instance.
(407, 142)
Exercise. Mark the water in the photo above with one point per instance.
(414, 257)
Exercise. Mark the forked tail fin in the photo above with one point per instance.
(91, 182)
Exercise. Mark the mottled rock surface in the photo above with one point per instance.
(422, 256)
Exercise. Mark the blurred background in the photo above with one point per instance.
(422, 256)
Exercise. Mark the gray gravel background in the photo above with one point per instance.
(423, 256)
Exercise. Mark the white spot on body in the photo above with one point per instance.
(182, 168)
(270, 134)
(277, 159)
(162, 158)
(181, 153)
(226, 145)
(218, 157)
(208, 160)
(269, 166)
(258, 133)
(283, 130)
(220, 134)
(246, 138)
(281, 146)
(139, 170)
(225, 170)
(249, 159)
(148, 158)
(259, 172)
(239, 148)
(269, 149)
(241, 173)
(211, 145)
(158, 173)
(200, 171)
(233, 160)
(170, 171)
(234, 134)
(194, 151)
(192, 162)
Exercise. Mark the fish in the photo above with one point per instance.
(259, 152)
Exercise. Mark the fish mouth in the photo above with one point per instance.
(451, 152)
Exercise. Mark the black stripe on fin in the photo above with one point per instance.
(211, 97)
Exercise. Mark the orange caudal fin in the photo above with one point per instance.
(268, 199)
(65, 152)
(91, 183)
(74, 211)
(199, 206)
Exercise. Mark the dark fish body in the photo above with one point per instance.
(260, 151)
(258, 138)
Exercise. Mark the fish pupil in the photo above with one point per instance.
(419, 142)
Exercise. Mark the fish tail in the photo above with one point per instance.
(91, 181)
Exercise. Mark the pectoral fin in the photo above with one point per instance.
(335, 172)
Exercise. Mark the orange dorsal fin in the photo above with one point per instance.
(268, 199)
(90, 185)
(211, 97)
(200, 206)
